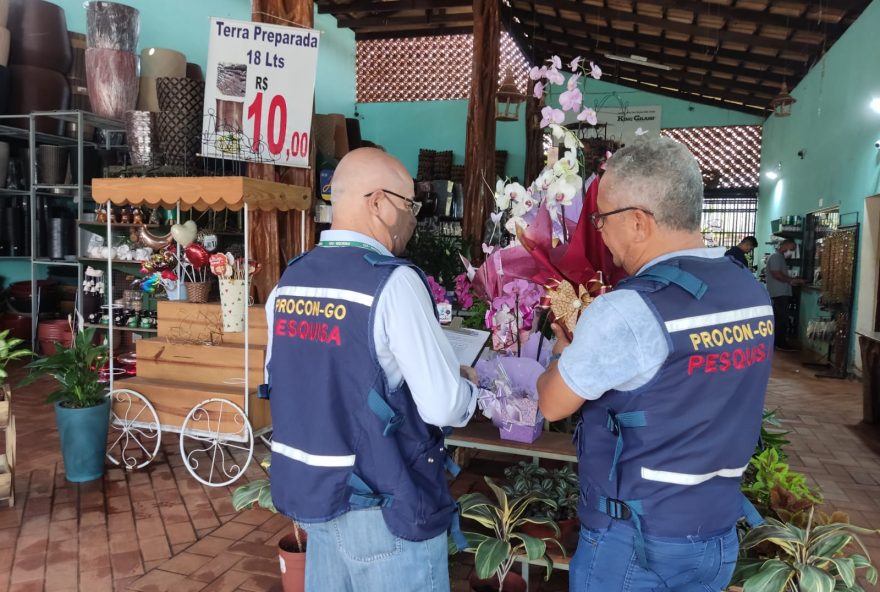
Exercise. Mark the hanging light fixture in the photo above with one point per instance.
(781, 104)
(508, 98)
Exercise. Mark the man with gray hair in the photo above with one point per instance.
(668, 374)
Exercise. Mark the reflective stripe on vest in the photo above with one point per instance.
(313, 460)
(306, 292)
(718, 318)
(688, 478)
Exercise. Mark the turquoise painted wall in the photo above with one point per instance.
(833, 123)
(335, 84)
(403, 128)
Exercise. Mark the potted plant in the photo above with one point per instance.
(502, 540)
(560, 485)
(816, 557)
(291, 547)
(82, 411)
(10, 349)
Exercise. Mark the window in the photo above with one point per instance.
(728, 216)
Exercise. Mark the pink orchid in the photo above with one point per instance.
(570, 100)
(556, 62)
(539, 90)
(537, 73)
(554, 76)
(574, 64)
(550, 115)
(595, 71)
(573, 81)
(463, 291)
(438, 292)
(588, 115)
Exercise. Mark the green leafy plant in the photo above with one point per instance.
(259, 493)
(772, 438)
(476, 319)
(771, 473)
(815, 558)
(436, 255)
(75, 368)
(10, 349)
(560, 485)
(497, 551)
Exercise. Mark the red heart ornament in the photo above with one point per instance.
(197, 255)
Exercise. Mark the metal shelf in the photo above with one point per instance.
(112, 261)
(14, 192)
(56, 262)
(116, 328)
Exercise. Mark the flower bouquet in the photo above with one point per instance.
(509, 397)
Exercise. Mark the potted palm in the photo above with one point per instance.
(10, 349)
(502, 541)
(291, 547)
(82, 411)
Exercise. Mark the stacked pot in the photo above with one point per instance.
(111, 61)
(39, 60)
(140, 125)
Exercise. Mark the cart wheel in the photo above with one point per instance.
(216, 442)
(134, 435)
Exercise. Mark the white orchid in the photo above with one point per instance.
(563, 190)
(567, 165)
(513, 223)
(502, 200)
(515, 192)
(524, 206)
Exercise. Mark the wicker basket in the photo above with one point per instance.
(197, 291)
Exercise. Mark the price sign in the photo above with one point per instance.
(259, 88)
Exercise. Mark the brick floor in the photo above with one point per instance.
(158, 529)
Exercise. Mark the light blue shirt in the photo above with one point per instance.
(618, 343)
(410, 345)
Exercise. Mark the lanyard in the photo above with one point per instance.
(343, 243)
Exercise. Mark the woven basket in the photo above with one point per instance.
(197, 291)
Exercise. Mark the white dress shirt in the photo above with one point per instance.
(410, 345)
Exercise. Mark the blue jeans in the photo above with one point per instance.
(356, 553)
(606, 561)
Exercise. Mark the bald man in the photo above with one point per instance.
(360, 377)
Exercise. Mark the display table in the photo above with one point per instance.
(869, 344)
(484, 436)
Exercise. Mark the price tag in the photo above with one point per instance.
(259, 88)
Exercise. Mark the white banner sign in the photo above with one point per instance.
(259, 88)
(625, 127)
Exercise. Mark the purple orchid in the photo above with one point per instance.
(573, 81)
(554, 76)
(588, 115)
(438, 292)
(539, 90)
(574, 64)
(537, 73)
(550, 115)
(570, 100)
(555, 62)
(595, 71)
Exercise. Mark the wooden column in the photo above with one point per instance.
(275, 236)
(479, 158)
(534, 136)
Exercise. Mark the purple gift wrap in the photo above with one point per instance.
(522, 433)
(509, 397)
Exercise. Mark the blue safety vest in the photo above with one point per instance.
(669, 456)
(343, 439)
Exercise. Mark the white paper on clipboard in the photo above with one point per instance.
(467, 343)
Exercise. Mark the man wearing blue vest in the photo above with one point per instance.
(360, 376)
(668, 372)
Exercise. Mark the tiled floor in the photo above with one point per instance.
(158, 529)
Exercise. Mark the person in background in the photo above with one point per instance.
(668, 372)
(779, 284)
(359, 377)
(739, 252)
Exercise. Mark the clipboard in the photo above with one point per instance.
(467, 343)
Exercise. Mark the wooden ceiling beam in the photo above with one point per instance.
(684, 28)
(794, 66)
(428, 18)
(757, 17)
(372, 6)
(410, 33)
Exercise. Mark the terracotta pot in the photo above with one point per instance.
(19, 325)
(568, 532)
(158, 62)
(292, 564)
(113, 26)
(39, 35)
(51, 332)
(113, 81)
(37, 89)
(512, 583)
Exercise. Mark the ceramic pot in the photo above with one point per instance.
(110, 25)
(4, 12)
(52, 164)
(113, 81)
(158, 62)
(83, 434)
(37, 89)
(194, 71)
(180, 94)
(39, 35)
(147, 98)
(5, 40)
(140, 129)
(78, 46)
(180, 136)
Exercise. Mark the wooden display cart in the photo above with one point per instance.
(193, 378)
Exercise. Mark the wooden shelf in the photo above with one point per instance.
(484, 436)
(115, 328)
(202, 193)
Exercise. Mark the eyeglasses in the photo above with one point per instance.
(412, 205)
(598, 219)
